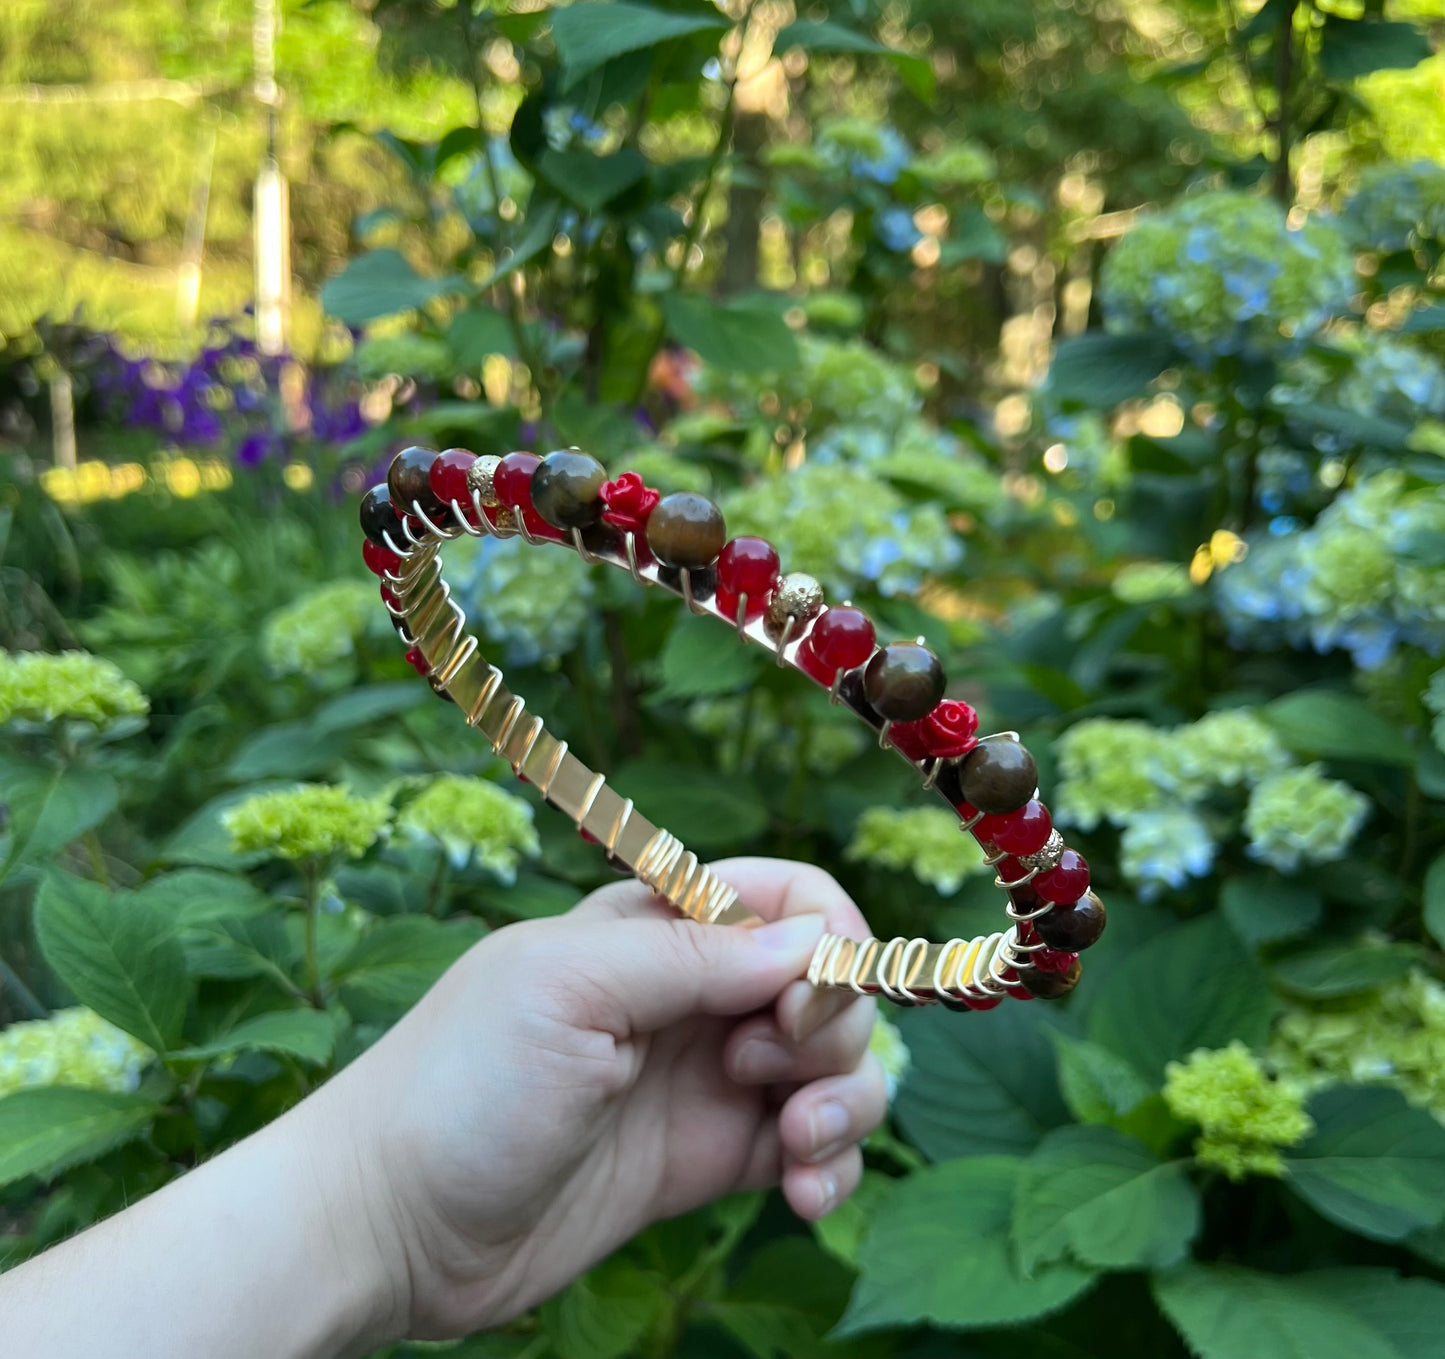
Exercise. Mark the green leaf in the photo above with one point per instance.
(588, 35)
(983, 1086)
(202, 838)
(477, 333)
(533, 897)
(822, 35)
(367, 704)
(305, 1034)
(1344, 969)
(1228, 1312)
(735, 337)
(787, 1299)
(541, 227)
(605, 1312)
(231, 947)
(939, 1251)
(380, 283)
(1264, 909)
(591, 182)
(117, 954)
(842, 1232)
(397, 960)
(1336, 726)
(699, 658)
(288, 750)
(1102, 370)
(1374, 1164)
(1097, 1086)
(722, 812)
(1101, 1198)
(1194, 986)
(1350, 48)
(1435, 900)
(197, 896)
(49, 808)
(47, 1130)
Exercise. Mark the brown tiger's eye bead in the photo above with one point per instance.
(1051, 985)
(1071, 928)
(904, 682)
(999, 776)
(565, 488)
(378, 516)
(409, 480)
(686, 530)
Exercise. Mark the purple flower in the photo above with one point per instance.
(256, 447)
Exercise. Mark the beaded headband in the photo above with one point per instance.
(679, 542)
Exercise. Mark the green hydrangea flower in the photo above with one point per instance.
(1244, 1117)
(1350, 568)
(320, 627)
(1151, 582)
(533, 603)
(1298, 816)
(842, 525)
(74, 1047)
(1394, 1036)
(311, 820)
(1222, 272)
(38, 687)
(472, 819)
(1111, 770)
(1434, 697)
(923, 840)
(887, 1045)
(1229, 749)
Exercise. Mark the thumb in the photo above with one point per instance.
(649, 973)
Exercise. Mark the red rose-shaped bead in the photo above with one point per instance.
(417, 661)
(449, 477)
(945, 733)
(1022, 832)
(628, 502)
(746, 566)
(379, 559)
(1066, 882)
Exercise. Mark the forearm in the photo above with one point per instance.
(267, 1250)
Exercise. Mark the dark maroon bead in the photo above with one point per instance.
(449, 477)
(746, 566)
(512, 481)
(1025, 831)
(999, 776)
(566, 488)
(378, 559)
(1072, 928)
(842, 638)
(903, 682)
(409, 480)
(1051, 985)
(379, 517)
(1067, 881)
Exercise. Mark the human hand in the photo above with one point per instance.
(571, 1080)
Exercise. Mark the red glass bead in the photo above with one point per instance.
(1025, 831)
(746, 566)
(842, 637)
(379, 559)
(588, 836)
(388, 596)
(1052, 960)
(982, 1004)
(1011, 870)
(512, 481)
(1067, 881)
(449, 476)
(417, 661)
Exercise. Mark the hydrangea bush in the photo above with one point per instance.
(1199, 568)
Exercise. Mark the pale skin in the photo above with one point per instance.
(566, 1083)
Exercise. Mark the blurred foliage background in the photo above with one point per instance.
(1102, 343)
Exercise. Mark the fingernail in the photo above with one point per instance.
(762, 1060)
(791, 934)
(827, 1128)
(827, 1194)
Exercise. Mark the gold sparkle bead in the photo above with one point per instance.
(1047, 857)
(479, 479)
(505, 518)
(799, 597)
